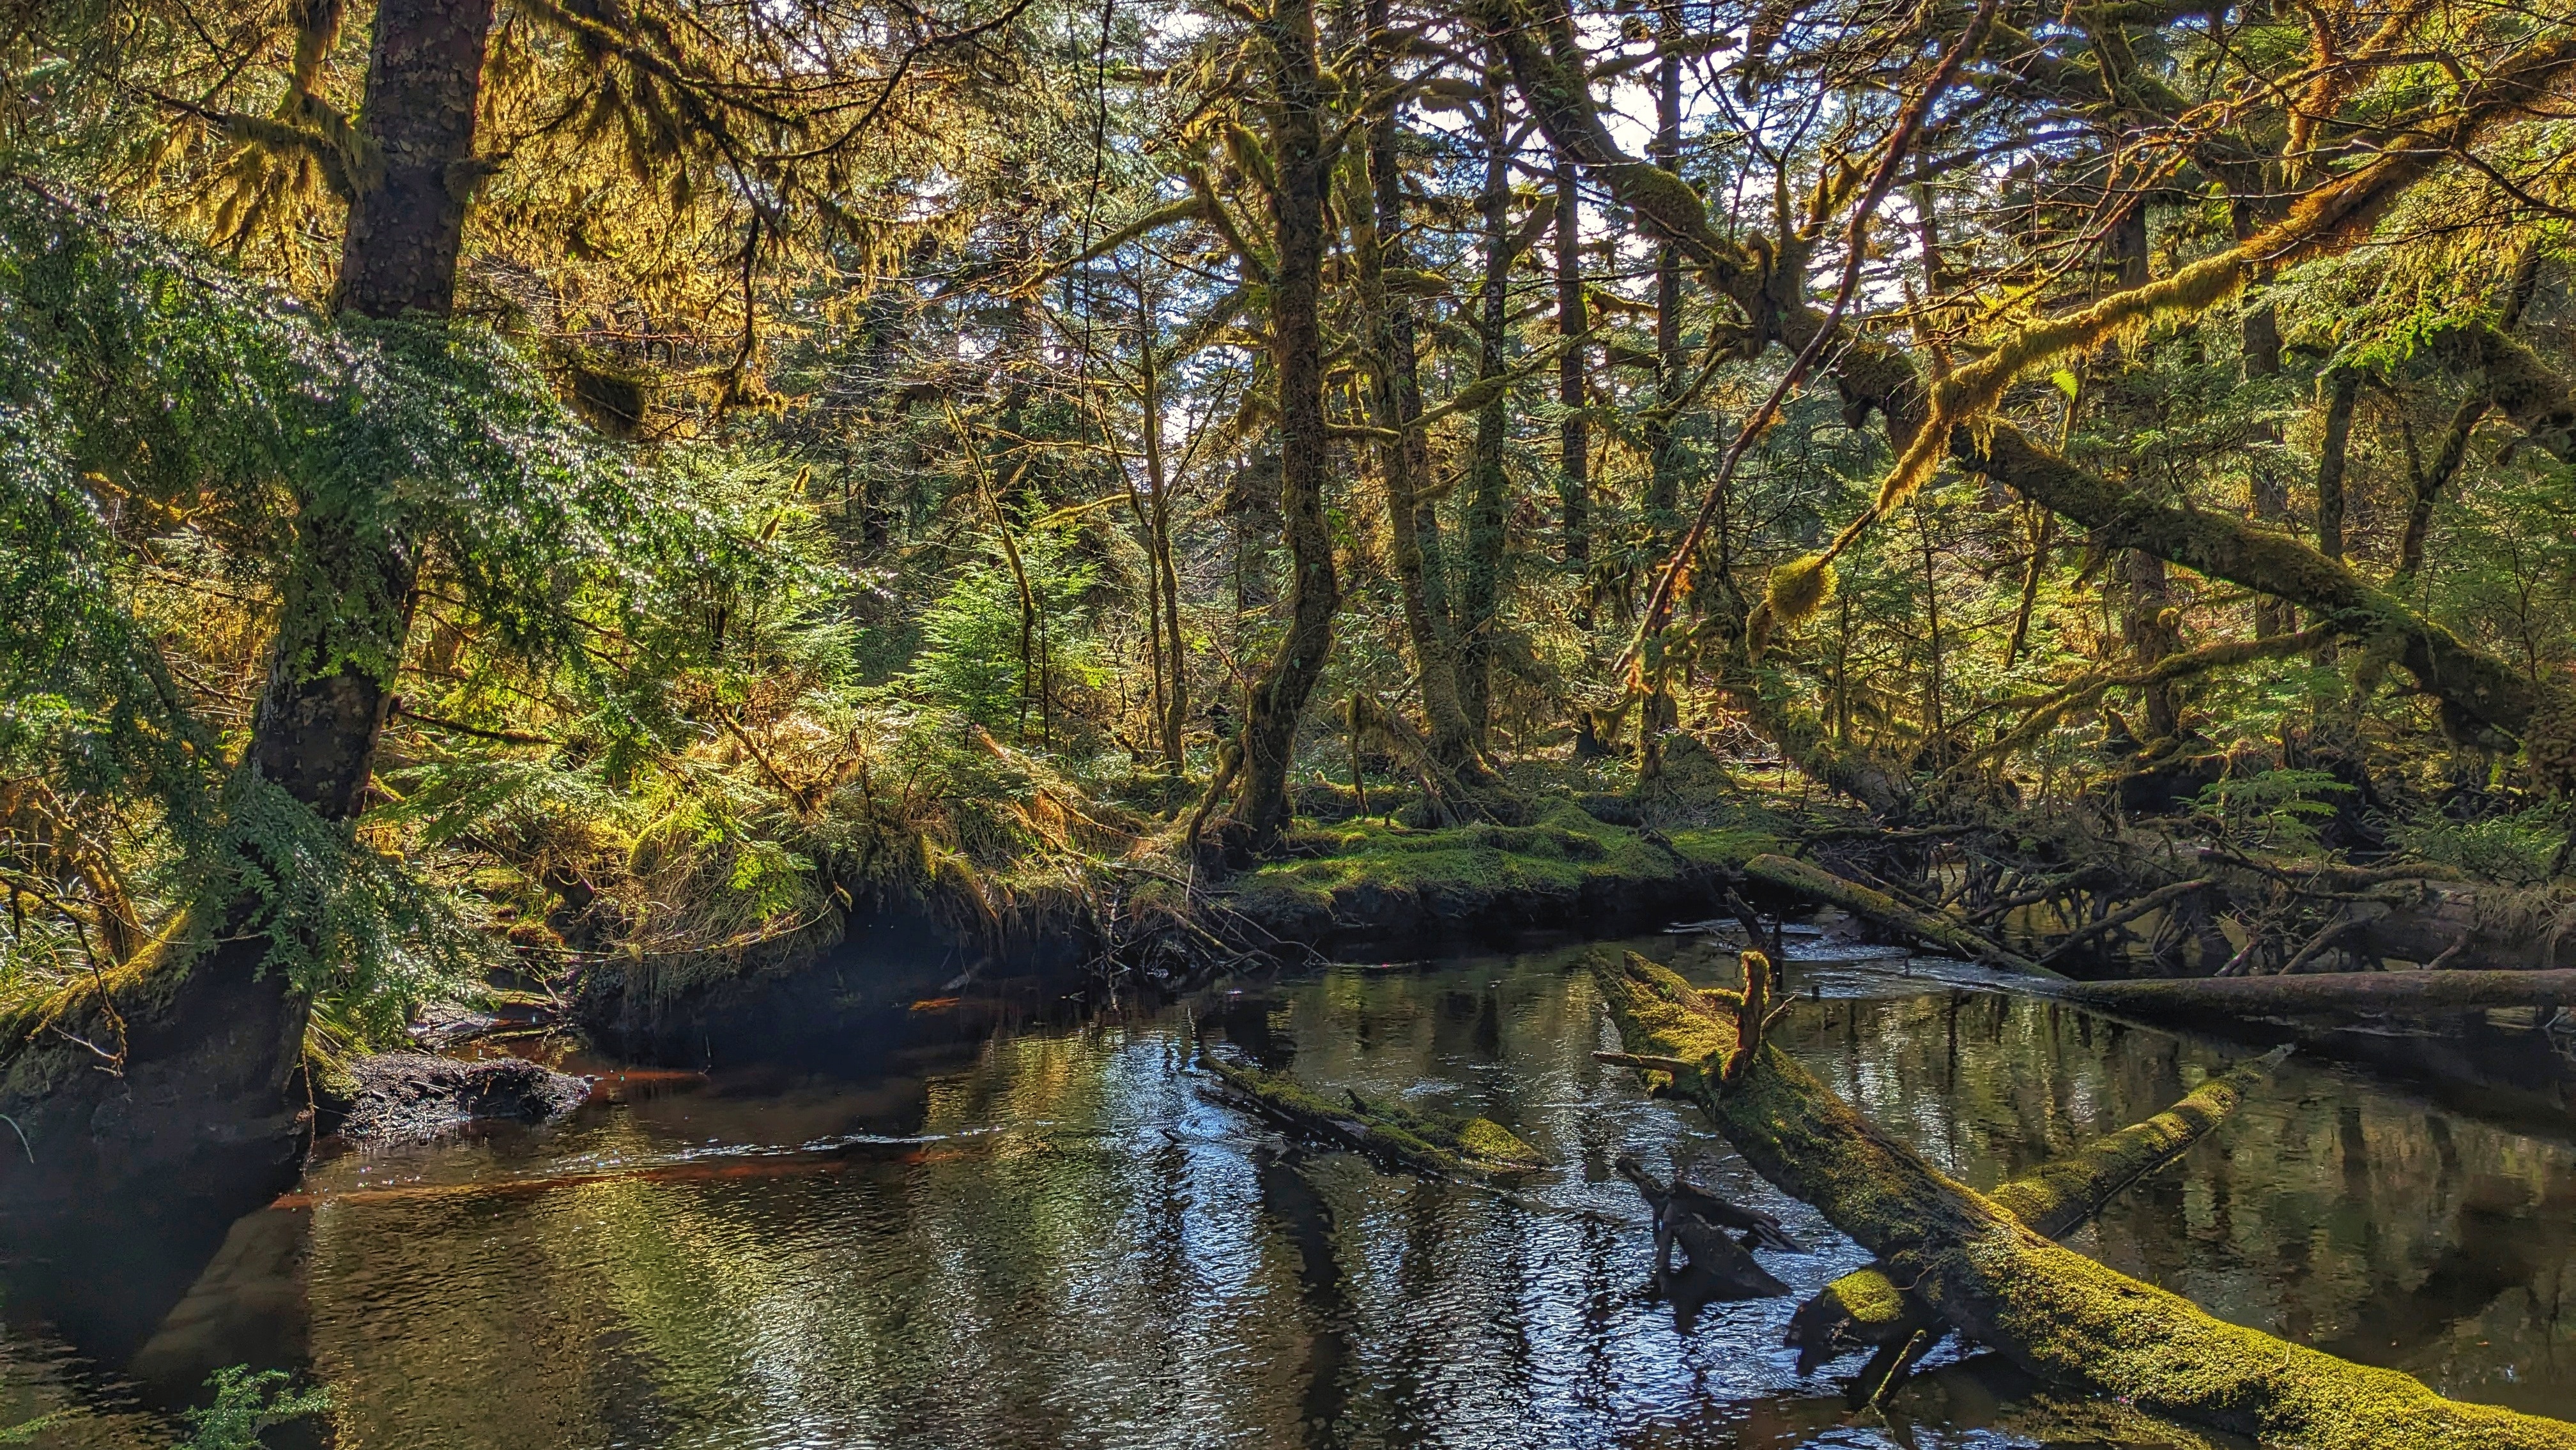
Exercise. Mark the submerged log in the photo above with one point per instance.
(1816, 883)
(2325, 994)
(1436, 1145)
(1995, 1280)
(1697, 1221)
(1866, 1309)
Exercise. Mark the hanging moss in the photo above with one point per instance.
(1801, 587)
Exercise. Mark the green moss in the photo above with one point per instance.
(32, 1062)
(1437, 1144)
(1561, 853)
(1485, 1139)
(2055, 1313)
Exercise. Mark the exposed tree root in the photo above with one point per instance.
(1994, 1280)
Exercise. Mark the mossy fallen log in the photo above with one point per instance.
(1434, 1144)
(1866, 1309)
(2325, 994)
(1994, 1280)
(1814, 882)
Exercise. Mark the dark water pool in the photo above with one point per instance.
(1050, 1237)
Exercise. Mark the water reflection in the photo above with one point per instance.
(1048, 1237)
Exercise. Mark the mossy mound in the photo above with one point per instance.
(1391, 885)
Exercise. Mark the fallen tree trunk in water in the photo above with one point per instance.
(2326, 993)
(1994, 1280)
(1816, 883)
(1865, 1308)
(1438, 1146)
(2420, 912)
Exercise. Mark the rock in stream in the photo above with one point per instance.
(408, 1096)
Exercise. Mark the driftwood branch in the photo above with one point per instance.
(1814, 882)
(2327, 993)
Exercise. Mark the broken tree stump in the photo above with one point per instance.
(1992, 1279)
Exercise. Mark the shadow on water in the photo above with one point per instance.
(978, 1226)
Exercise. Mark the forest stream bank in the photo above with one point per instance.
(1000, 1224)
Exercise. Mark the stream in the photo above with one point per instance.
(1016, 1233)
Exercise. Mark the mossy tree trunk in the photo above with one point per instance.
(1663, 487)
(196, 1111)
(1994, 1280)
(1480, 575)
(1299, 159)
(1376, 219)
(1574, 432)
(1867, 1308)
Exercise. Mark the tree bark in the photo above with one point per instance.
(1574, 434)
(424, 89)
(1663, 488)
(1395, 394)
(2343, 386)
(1480, 579)
(2259, 336)
(1299, 159)
(2430, 481)
(2149, 630)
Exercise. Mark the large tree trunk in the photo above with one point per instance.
(2147, 626)
(197, 1117)
(1480, 576)
(2343, 387)
(1395, 398)
(2054, 1313)
(1305, 444)
(2259, 339)
(347, 603)
(1663, 489)
(1574, 434)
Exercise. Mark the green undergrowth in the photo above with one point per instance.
(1561, 853)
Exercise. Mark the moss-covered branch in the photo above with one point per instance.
(1440, 1146)
(2328, 993)
(2226, 547)
(1993, 1279)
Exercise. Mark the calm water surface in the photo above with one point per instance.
(1044, 1237)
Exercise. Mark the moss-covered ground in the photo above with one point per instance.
(1562, 868)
